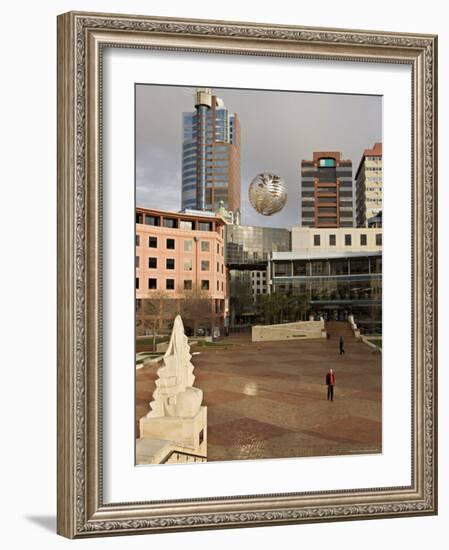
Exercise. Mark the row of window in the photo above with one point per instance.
(348, 240)
(341, 266)
(188, 264)
(172, 223)
(170, 244)
(170, 284)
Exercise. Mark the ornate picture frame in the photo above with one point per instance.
(82, 38)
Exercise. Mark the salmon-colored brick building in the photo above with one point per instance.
(179, 257)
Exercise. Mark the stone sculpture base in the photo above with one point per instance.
(190, 433)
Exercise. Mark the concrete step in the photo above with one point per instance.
(335, 329)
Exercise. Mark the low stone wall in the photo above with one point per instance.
(301, 330)
(365, 340)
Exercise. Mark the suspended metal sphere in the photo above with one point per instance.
(267, 193)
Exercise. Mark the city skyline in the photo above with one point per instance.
(271, 139)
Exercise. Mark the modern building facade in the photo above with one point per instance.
(327, 191)
(211, 155)
(336, 285)
(369, 185)
(310, 240)
(247, 253)
(248, 245)
(180, 256)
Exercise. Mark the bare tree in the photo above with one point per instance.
(154, 312)
(278, 307)
(196, 307)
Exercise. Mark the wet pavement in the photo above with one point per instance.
(269, 399)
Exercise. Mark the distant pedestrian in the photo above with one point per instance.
(330, 382)
(342, 345)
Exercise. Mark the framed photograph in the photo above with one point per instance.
(246, 274)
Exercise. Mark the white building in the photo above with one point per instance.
(369, 185)
(258, 283)
(310, 240)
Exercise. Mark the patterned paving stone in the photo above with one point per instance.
(243, 432)
(351, 429)
(223, 396)
(268, 400)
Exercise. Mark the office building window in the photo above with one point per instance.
(319, 267)
(332, 240)
(152, 284)
(205, 265)
(188, 284)
(218, 285)
(328, 221)
(316, 240)
(204, 226)
(152, 220)
(326, 162)
(348, 240)
(359, 266)
(137, 240)
(378, 239)
(222, 286)
(363, 239)
(185, 224)
(170, 244)
(205, 246)
(188, 246)
(137, 261)
(188, 265)
(300, 267)
(218, 248)
(152, 263)
(283, 269)
(137, 282)
(170, 284)
(170, 263)
(170, 223)
(204, 284)
(218, 267)
(139, 218)
(152, 242)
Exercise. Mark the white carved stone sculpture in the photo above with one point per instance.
(176, 416)
(174, 394)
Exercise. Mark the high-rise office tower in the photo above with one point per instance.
(327, 191)
(211, 155)
(368, 185)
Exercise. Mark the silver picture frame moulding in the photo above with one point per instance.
(81, 39)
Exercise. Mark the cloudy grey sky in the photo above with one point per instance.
(278, 130)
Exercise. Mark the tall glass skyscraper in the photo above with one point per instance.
(210, 155)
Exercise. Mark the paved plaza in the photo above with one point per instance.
(269, 399)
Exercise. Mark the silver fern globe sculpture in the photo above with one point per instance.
(267, 193)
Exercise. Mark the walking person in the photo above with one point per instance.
(330, 382)
(342, 345)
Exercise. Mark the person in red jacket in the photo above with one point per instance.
(330, 382)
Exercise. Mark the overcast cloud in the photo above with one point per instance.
(278, 130)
